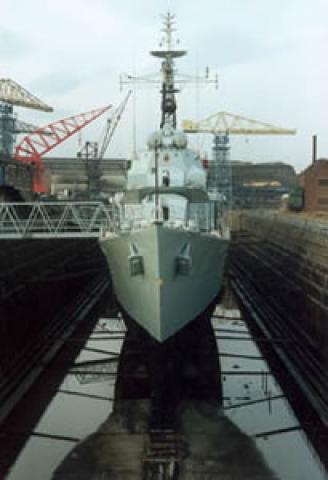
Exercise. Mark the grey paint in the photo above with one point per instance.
(160, 300)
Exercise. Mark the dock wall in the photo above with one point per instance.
(38, 280)
(286, 256)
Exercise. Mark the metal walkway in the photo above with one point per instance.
(47, 220)
(65, 165)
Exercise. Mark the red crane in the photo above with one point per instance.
(34, 146)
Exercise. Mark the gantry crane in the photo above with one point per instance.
(13, 94)
(222, 125)
(40, 139)
(15, 177)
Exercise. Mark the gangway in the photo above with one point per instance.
(49, 220)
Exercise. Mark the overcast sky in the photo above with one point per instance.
(270, 55)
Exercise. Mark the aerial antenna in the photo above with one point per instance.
(169, 79)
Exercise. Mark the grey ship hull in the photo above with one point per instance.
(163, 300)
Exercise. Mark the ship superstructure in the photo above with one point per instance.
(168, 253)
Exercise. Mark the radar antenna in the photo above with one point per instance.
(169, 76)
(168, 90)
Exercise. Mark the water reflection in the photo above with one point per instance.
(76, 410)
(166, 421)
(255, 402)
(128, 410)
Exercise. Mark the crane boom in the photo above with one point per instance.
(32, 148)
(112, 124)
(230, 124)
(93, 154)
(14, 94)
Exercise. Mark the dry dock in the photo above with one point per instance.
(287, 257)
(280, 262)
(201, 418)
(188, 437)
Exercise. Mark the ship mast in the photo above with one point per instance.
(168, 90)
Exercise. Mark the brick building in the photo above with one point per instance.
(314, 180)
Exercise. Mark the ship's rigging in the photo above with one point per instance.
(170, 78)
(168, 91)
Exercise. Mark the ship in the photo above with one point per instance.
(168, 251)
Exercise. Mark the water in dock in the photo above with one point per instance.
(97, 424)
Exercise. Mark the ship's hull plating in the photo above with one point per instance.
(161, 299)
